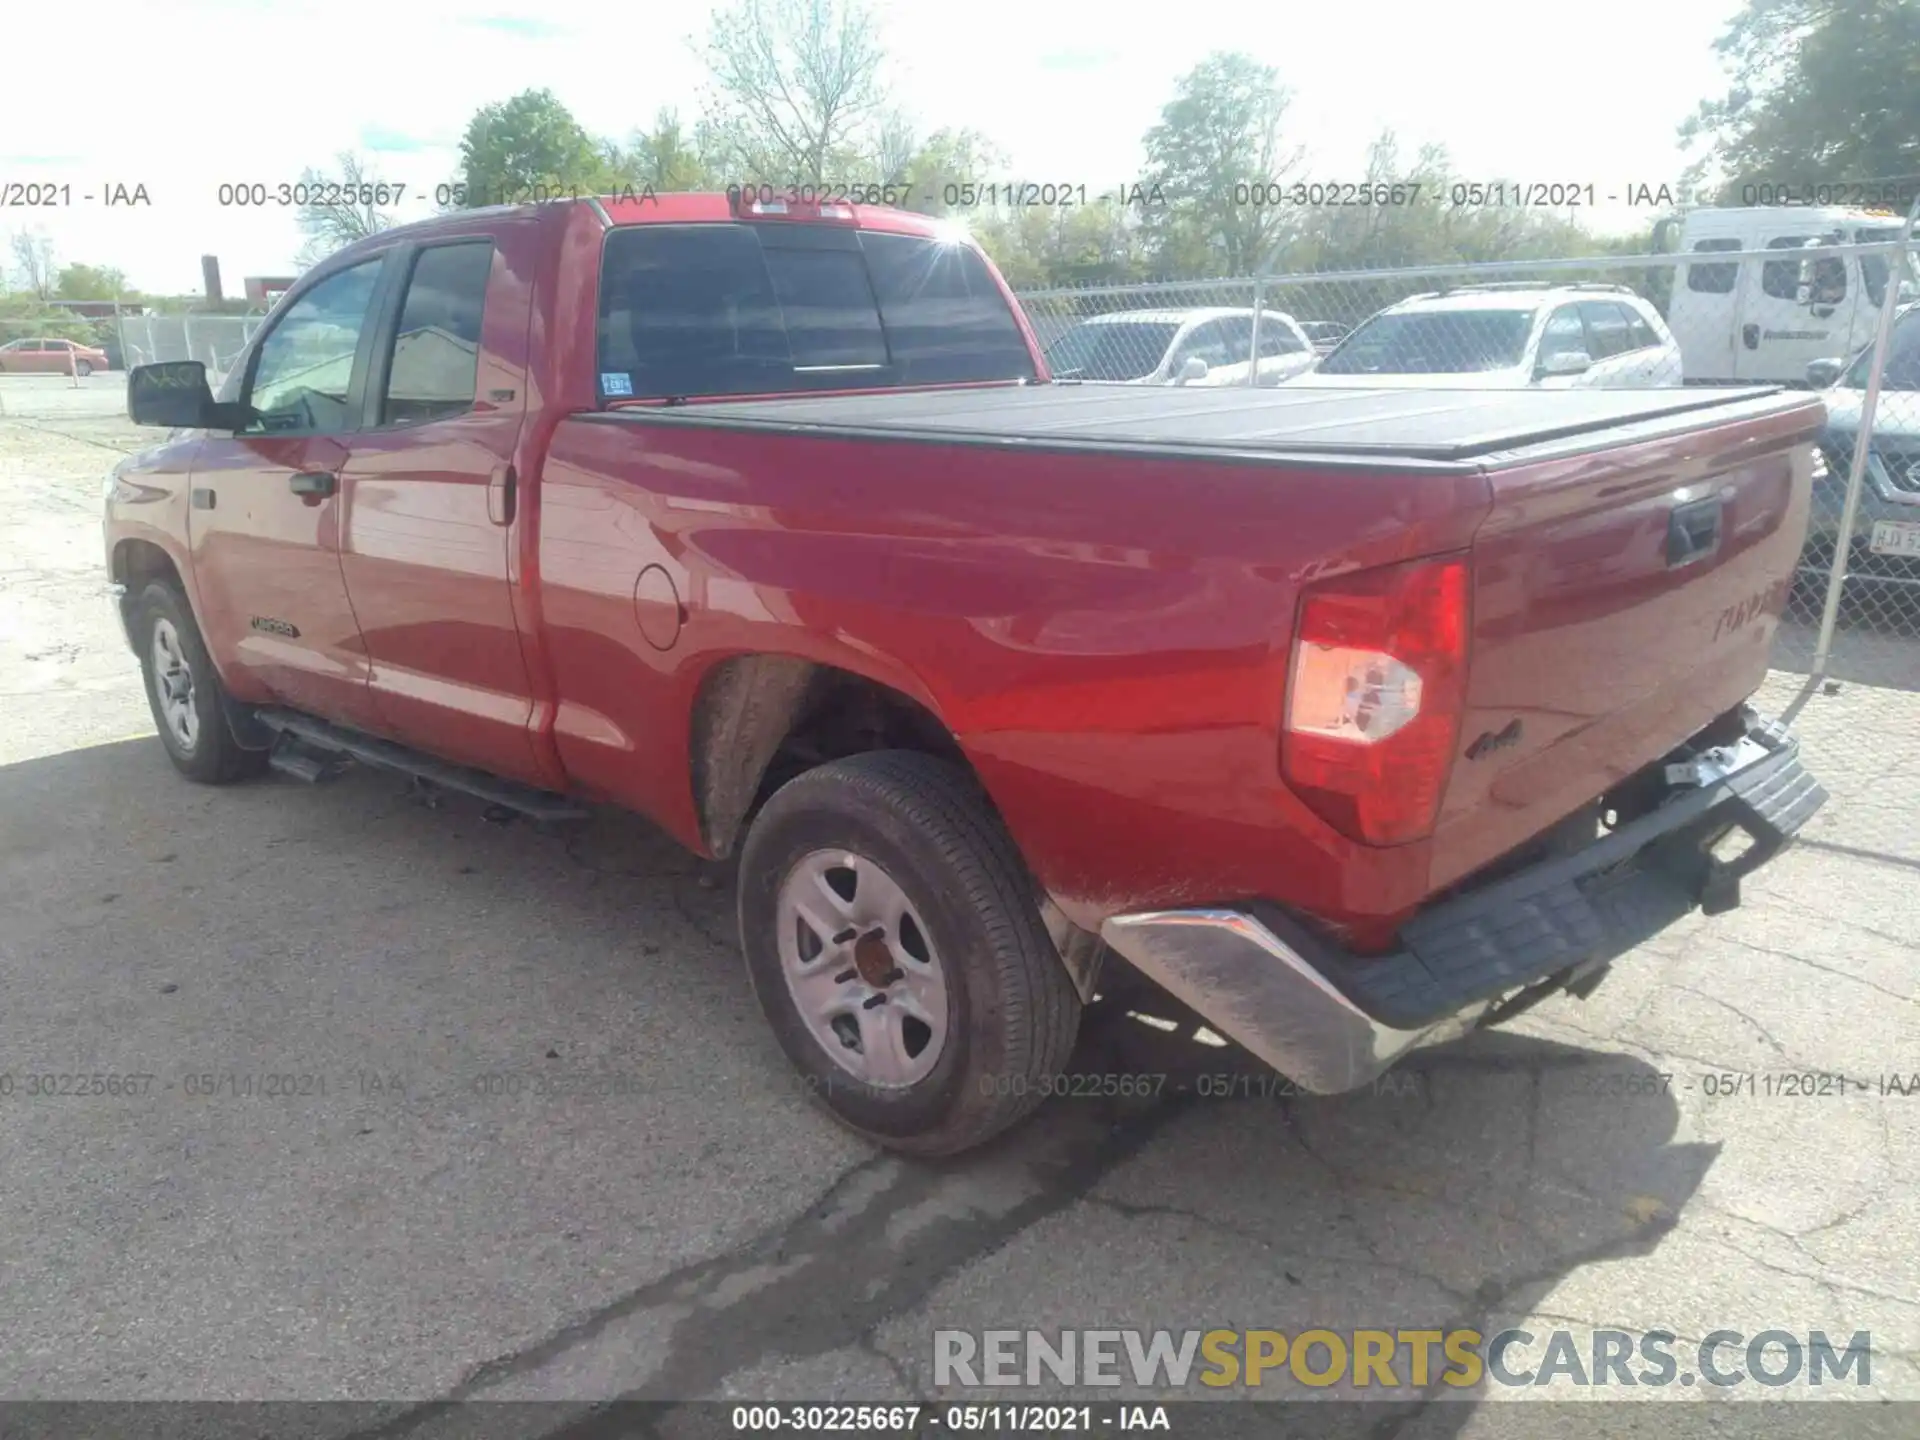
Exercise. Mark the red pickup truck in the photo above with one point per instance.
(1355, 719)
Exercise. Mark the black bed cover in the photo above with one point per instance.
(1415, 424)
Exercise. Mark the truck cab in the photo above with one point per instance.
(1762, 319)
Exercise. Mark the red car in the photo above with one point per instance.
(1355, 718)
(50, 357)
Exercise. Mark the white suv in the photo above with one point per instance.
(1210, 345)
(1503, 337)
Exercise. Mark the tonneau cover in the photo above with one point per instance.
(1429, 425)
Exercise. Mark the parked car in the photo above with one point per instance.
(1180, 347)
(1507, 337)
(1884, 553)
(50, 357)
(984, 683)
(1324, 334)
(1765, 320)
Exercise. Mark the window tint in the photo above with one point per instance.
(435, 363)
(1563, 334)
(946, 320)
(1714, 279)
(1608, 332)
(305, 364)
(832, 316)
(739, 309)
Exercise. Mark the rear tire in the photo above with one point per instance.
(184, 691)
(889, 875)
(83, 368)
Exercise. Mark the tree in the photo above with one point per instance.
(795, 90)
(33, 256)
(1823, 92)
(668, 157)
(346, 211)
(1218, 139)
(529, 146)
(92, 282)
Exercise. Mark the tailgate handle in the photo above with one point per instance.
(1693, 531)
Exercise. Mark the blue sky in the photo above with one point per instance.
(210, 91)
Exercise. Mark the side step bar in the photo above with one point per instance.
(307, 749)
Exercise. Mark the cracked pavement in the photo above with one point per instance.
(556, 1157)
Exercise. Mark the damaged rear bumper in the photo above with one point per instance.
(1331, 1021)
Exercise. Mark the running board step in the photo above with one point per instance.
(295, 758)
(316, 743)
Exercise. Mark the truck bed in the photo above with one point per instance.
(1436, 427)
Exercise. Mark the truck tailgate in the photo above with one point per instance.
(1625, 594)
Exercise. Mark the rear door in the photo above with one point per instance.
(264, 516)
(430, 500)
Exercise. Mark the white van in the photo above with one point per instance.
(1761, 319)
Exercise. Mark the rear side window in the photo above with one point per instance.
(723, 309)
(436, 346)
(1714, 279)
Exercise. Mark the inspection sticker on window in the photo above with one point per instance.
(613, 382)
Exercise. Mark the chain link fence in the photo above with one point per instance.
(1840, 318)
(214, 340)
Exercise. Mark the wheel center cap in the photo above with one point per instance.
(873, 959)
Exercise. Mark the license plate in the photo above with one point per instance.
(1895, 537)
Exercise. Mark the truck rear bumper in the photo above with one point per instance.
(1331, 1021)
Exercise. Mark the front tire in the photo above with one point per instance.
(83, 368)
(184, 693)
(893, 940)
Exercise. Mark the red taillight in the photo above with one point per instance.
(1374, 698)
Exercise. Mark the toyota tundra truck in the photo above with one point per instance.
(1354, 718)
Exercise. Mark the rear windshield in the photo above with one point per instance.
(1125, 350)
(725, 309)
(1433, 342)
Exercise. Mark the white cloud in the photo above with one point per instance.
(228, 91)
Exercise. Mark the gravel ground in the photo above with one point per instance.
(555, 1156)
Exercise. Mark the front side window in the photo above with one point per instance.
(1781, 278)
(1564, 335)
(1903, 358)
(737, 309)
(304, 366)
(1608, 330)
(436, 346)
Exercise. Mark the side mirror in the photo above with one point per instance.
(1803, 294)
(1192, 368)
(1822, 373)
(175, 394)
(1567, 362)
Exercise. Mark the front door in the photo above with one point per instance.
(1793, 310)
(264, 514)
(430, 503)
